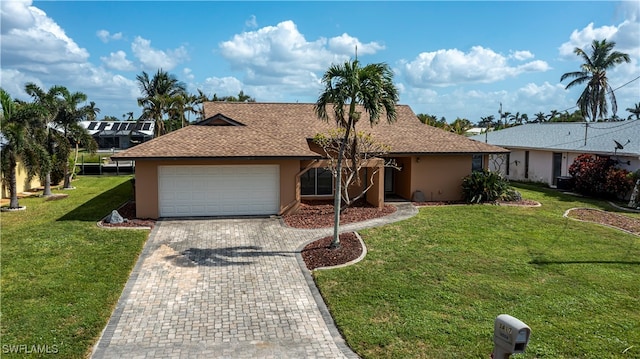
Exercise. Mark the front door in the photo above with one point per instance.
(557, 167)
(389, 185)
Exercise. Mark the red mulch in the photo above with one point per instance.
(603, 217)
(319, 214)
(128, 211)
(319, 253)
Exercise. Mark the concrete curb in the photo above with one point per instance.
(566, 215)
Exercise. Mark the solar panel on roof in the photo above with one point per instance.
(92, 125)
(103, 125)
(130, 126)
(138, 126)
(146, 126)
(116, 127)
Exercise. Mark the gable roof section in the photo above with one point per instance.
(581, 137)
(282, 130)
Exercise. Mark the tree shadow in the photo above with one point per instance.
(99, 206)
(221, 257)
(545, 262)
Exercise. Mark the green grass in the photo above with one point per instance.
(61, 274)
(431, 286)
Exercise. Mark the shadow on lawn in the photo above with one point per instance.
(214, 257)
(99, 206)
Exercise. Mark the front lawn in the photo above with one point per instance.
(431, 286)
(61, 274)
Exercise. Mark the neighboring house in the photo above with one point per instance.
(119, 134)
(259, 159)
(543, 152)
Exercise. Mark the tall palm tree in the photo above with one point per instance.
(17, 121)
(70, 114)
(348, 89)
(593, 99)
(540, 117)
(635, 111)
(158, 95)
(50, 101)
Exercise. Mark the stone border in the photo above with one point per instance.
(566, 215)
(361, 257)
(7, 209)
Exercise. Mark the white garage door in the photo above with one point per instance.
(185, 191)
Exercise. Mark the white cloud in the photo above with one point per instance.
(346, 45)
(105, 36)
(521, 55)
(153, 59)
(188, 74)
(452, 67)
(118, 61)
(251, 22)
(28, 34)
(584, 37)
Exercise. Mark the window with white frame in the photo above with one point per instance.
(316, 182)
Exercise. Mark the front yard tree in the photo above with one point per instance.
(50, 102)
(69, 115)
(349, 89)
(368, 149)
(18, 121)
(593, 99)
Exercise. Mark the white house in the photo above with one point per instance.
(543, 152)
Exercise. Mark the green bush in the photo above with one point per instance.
(485, 186)
(598, 177)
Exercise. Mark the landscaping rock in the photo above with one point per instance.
(114, 217)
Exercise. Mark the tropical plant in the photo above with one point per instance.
(67, 120)
(50, 101)
(348, 90)
(598, 177)
(485, 186)
(460, 126)
(593, 99)
(18, 121)
(540, 117)
(635, 111)
(159, 95)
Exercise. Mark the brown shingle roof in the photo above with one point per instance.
(281, 130)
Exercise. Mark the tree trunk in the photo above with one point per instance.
(13, 186)
(634, 201)
(47, 185)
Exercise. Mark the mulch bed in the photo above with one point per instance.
(128, 211)
(319, 214)
(320, 254)
(607, 218)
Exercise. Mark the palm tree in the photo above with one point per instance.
(635, 111)
(540, 117)
(18, 121)
(50, 102)
(348, 89)
(593, 99)
(158, 95)
(67, 120)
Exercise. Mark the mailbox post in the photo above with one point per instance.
(510, 336)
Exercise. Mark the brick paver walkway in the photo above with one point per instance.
(225, 288)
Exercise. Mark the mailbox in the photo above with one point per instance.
(510, 336)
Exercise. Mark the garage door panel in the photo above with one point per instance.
(218, 190)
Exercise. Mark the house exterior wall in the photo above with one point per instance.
(541, 165)
(147, 174)
(22, 185)
(439, 177)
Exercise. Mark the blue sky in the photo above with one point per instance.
(452, 59)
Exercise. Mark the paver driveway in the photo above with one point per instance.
(226, 288)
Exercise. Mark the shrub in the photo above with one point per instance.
(484, 186)
(598, 177)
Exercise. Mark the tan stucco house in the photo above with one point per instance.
(258, 159)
